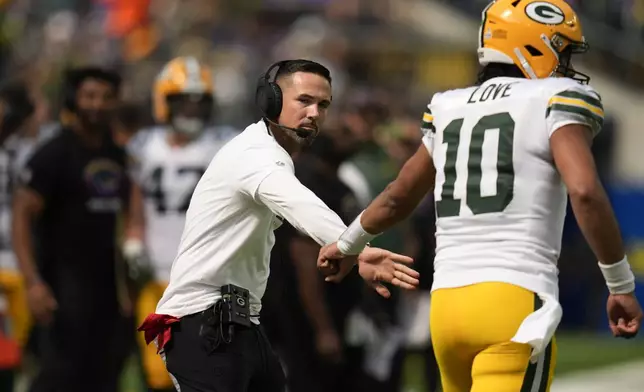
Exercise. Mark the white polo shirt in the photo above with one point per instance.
(247, 189)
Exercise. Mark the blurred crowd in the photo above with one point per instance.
(329, 337)
(237, 39)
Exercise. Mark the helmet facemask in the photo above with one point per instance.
(565, 48)
(190, 113)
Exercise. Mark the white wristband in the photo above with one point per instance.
(619, 277)
(354, 239)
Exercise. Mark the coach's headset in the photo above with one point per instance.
(76, 76)
(17, 108)
(268, 98)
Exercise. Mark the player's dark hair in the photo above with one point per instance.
(495, 70)
(75, 77)
(292, 66)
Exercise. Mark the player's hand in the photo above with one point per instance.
(333, 264)
(377, 265)
(139, 264)
(624, 315)
(41, 302)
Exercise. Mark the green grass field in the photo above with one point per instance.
(576, 352)
(589, 351)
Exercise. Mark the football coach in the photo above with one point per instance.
(206, 324)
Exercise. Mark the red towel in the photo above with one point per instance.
(10, 356)
(158, 325)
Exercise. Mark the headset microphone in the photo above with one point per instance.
(300, 132)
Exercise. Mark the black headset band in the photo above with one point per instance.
(268, 95)
(278, 65)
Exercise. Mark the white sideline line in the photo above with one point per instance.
(627, 377)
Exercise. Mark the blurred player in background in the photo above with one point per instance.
(502, 154)
(70, 197)
(16, 108)
(168, 161)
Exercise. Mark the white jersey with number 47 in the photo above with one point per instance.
(500, 202)
(168, 176)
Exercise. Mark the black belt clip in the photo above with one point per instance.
(218, 323)
(235, 307)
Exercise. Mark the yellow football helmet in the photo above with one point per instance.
(539, 37)
(181, 77)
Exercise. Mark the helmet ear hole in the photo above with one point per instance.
(533, 51)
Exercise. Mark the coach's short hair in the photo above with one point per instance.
(292, 66)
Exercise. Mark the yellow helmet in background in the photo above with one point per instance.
(539, 37)
(182, 77)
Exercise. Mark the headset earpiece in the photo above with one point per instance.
(268, 96)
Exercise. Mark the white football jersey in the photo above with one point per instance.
(168, 176)
(500, 202)
(14, 154)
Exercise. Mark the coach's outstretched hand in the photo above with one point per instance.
(375, 265)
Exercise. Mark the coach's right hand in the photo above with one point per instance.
(375, 266)
(41, 302)
(333, 264)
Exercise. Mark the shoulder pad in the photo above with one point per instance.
(574, 102)
(578, 99)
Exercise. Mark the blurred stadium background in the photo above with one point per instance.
(393, 54)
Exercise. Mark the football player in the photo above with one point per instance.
(168, 161)
(500, 157)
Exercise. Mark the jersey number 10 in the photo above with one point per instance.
(450, 204)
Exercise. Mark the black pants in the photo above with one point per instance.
(80, 354)
(6, 379)
(246, 364)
